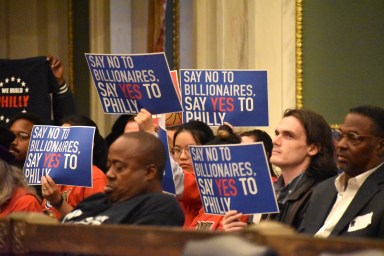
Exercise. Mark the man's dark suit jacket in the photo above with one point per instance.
(364, 217)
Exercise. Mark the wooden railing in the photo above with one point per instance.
(24, 234)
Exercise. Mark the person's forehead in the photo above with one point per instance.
(22, 124)
(123, 148)
(290, 124)
(354, 122)
(248, 139)
(185, 137)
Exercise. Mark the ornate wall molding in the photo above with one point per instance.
(176, 34)
(299, 54)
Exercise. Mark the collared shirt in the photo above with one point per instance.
(346, 188)
(283, 191)
(282, 194)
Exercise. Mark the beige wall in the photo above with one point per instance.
(250, 34)
(32, 28)
(226, 34)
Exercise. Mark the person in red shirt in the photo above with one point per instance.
(59, 199)
(210, 222)
(15, 195)
(191, 133)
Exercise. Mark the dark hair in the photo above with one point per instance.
(6, 138)
(225, 135)
(200, 131)
(118, 128)
(319, 133)
(33, 118)
(262, 136)
(375, 113)
(153, 148)
(100, 150)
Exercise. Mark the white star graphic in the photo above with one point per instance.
(24, 111)
(27, 89)
(7, 120)
(13, 79)
(1, 118)
(6, 80)
(1, 84)
(18, 80)
(23, 84)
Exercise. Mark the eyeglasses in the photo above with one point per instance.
(352, 137)
(22, 135)
(176, 151)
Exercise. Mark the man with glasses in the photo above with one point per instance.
(21, 126)
(352, 203)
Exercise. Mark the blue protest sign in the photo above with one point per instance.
(128, 83)
(168, 183)
(239, 97)
(234, 177)
(64, 153)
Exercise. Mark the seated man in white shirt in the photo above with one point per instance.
(352, 203)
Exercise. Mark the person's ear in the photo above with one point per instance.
(151, 172)
(381, 147)
(313, 150)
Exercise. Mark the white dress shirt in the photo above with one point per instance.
(346, 188)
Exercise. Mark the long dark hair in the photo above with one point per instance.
(319, 133)
(200, 131)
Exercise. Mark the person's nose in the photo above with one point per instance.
(110, 174)
(183, 154)
(276, 141)
(15, 141)
(342, 143)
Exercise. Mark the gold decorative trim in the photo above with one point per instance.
(176, 34)
(70, 45)
(335, 126)
(299, 54)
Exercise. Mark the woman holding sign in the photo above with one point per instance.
(59, 199)
(191, 133)
(209, 222)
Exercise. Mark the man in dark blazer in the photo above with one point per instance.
(352, 204)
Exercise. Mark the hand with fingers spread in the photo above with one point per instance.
(231, 221)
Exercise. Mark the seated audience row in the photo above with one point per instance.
(311, 197)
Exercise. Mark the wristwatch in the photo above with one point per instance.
(58, 204)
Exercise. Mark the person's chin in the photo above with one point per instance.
(186, 167)
(343, 166)
(274, 160)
